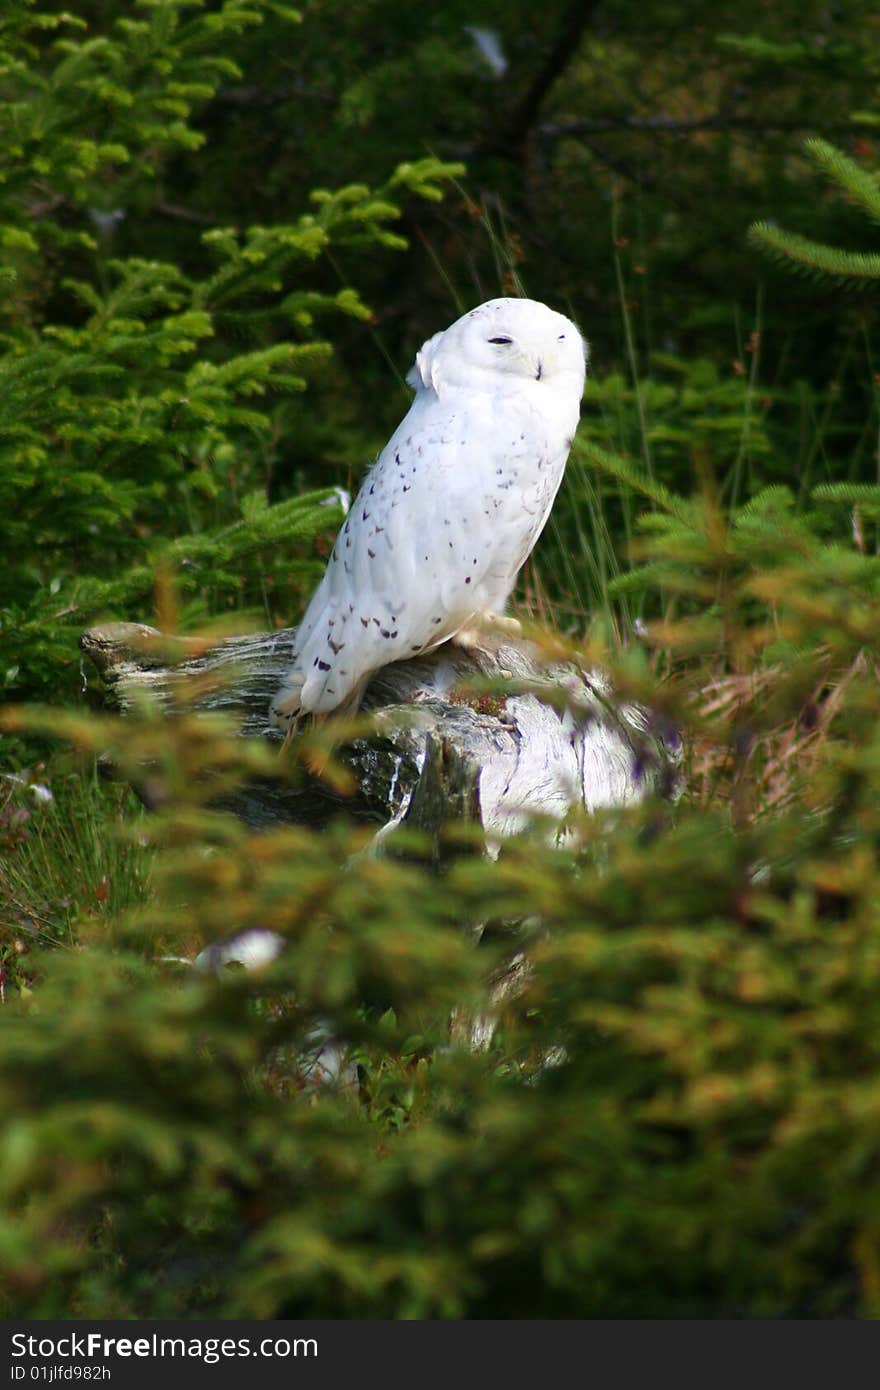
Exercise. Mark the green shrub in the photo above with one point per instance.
(144, 404)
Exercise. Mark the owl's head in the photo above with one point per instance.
(501, 345)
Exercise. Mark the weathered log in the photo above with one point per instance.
(439, 751)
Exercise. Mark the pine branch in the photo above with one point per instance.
(672, 125)
(812, 257)
(850, 494)
(209, 553)
(613, 466)
(861, 185)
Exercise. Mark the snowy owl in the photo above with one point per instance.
(452, 507)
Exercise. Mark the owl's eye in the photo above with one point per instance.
(500, 340)
(561, 338)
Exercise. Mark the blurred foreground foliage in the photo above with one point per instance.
(678, 1115)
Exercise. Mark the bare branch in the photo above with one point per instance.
(671, 125)
(182, 214)
(564, 49)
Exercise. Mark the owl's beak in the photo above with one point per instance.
(547, 362)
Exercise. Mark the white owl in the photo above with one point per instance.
(451, 509)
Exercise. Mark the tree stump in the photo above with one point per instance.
(439, 751)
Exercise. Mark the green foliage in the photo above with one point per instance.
(59, 871)
(103, 102)
(811, 257)
(210, 283)
(140, 401)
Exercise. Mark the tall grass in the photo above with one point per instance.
(683, 425)
(70, 857)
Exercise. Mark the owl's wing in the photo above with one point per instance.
(437, 533)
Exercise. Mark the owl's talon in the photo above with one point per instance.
(511, 626)
(479, 636)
